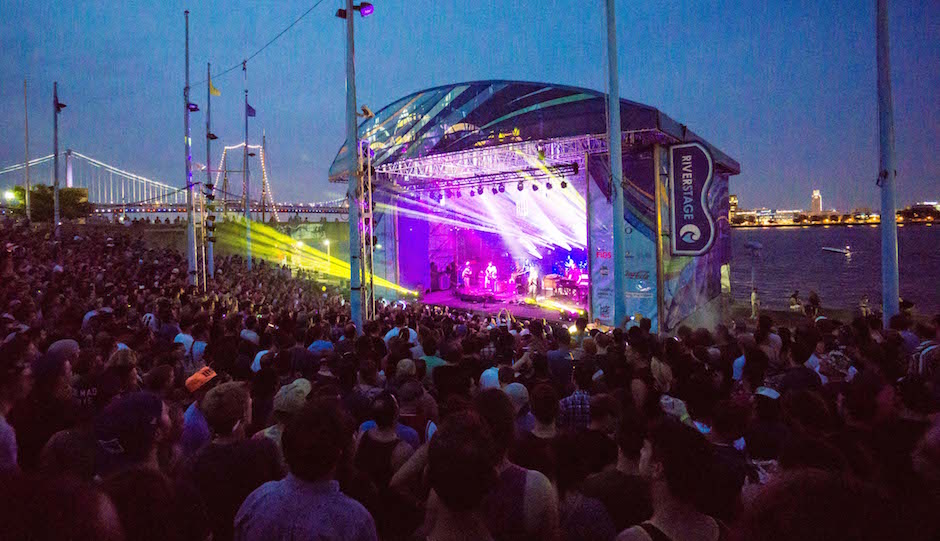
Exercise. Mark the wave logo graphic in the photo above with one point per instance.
(690, 233)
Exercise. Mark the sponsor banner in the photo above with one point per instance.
(690, 174)
(601, 215)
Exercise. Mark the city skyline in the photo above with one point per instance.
(771, 89)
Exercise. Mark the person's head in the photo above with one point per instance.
(631, 433)
(227, 408)
(518, 395)
(813, 505)
(496, 409)
(582, 376)
(57, 508)
(462, 460)
(52, 372)
(151, 508)
(315, 439)
(605, 411)
(543, 402)
(290, 399)
(385, 410)
(677, 458)
(129, 429)
(563, 337)
(16, 374)
(869, 398)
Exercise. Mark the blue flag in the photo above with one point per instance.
(249, 109)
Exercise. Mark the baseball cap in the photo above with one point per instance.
(292, 397)
(200, 378)
(129, 424)
(518, 395)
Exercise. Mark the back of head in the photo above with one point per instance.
(384, 409)
(151, 508)
(462, 461)
(315, 438)
(225, 406)
(685, 456)
(563, 337)
(543, 401)
(583, 376)
(631, 431)
(789, 509)
(37, 508)
(496, 409)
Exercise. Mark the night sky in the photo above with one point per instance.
(785, 87)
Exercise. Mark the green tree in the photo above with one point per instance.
(73, 203)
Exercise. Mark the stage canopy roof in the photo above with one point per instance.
(460, 118)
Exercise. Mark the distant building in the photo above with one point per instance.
(816, 204)
(733, 204)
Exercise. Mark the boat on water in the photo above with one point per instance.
(845, 251)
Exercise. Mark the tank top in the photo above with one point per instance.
(374, 458)
(658, 535)
(504, 506)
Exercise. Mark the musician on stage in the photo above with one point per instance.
(533, 281)
(489, 279)
(466, 275)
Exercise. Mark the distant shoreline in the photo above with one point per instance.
(925, 223)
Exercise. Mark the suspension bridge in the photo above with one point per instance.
(114, 190)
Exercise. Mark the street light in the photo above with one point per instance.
(9, 195)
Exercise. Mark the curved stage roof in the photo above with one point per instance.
(482, 114)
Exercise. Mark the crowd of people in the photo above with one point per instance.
(136, 406)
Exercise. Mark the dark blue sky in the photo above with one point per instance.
(785, 87)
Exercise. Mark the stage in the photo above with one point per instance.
(489, 305)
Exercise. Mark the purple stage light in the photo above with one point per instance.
(480, 190)
(366, 9)
(564, 185)
(535, 188)
(520, 186)
(495, 190)
(502, 188)
(548, 185)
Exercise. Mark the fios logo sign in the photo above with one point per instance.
(603, 254)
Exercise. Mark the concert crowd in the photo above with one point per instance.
(134, 406)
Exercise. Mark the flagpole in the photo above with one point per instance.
(888, 173)
(245, 169)
(352, 188)
(209, 261)
(192, 277)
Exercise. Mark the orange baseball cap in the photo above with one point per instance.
(200, 378)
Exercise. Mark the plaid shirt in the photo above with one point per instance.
(575, 411)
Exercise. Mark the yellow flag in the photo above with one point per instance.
(213, 90)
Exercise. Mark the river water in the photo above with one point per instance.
(792, 259)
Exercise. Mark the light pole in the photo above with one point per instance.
(887, 170)
(329, 259)
(352, 143)
(616, 167)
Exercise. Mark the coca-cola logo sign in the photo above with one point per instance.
(638, 275)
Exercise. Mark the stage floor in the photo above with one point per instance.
(514, 303)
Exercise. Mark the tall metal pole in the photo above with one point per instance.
(55, 159)
(245, 169)
(192, 277)
(352, 144)
(616, 166)
(887, 176)
(29, 213)
(209, 261)
(263, 180)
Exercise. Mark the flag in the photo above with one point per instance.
(249, 110)
(213, 90)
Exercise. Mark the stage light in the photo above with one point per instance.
(520, 186)
(459, 194)
(495, 190)
(502, 188)
(575, 164)
(564, 185)
(535, 188)
(480, 190)
(548, 185)
(471, 192)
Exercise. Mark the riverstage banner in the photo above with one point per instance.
(690, 175)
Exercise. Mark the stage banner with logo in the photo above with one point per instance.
(600, 241)
(639, 248)
(690, 175)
